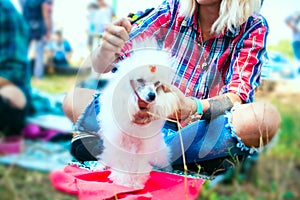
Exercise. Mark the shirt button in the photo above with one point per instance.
(198, 66)
(188, 91)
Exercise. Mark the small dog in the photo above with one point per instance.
(130, 149)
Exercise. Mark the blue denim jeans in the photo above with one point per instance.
(38, 70)
(202, 140)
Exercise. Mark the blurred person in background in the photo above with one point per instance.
(14, 69)
(59, 51)
(293, 21)
(92, 9)
(103, 16)
(38, 14)
(100, 14)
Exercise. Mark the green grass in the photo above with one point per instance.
(284, 46)
(277, 173)
(21, 184)
(276, 176)
(55, 83)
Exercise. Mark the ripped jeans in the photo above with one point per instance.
(204, 142)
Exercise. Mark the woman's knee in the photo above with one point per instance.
(256, 123)
(14, 96)
(76, 101)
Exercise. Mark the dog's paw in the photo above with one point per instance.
(101, 166)
(161, 159)
(120, 179)
(129, 179)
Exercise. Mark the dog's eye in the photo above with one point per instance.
(140, 80)
(157, 84)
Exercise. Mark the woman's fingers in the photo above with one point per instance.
(117, 31)
(120, 29)
(116, 35)
(124, 22)
(112, 42)
(142, 117)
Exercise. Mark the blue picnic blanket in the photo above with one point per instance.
(47, 112)
(40, 155)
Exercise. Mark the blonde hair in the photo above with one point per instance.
(233, 13)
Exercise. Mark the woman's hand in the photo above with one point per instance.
(142, 117)
(187, 106)
(113, 40)
(115, 36)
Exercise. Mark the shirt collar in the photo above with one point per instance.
(192, 22)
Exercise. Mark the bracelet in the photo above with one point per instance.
(199, 106)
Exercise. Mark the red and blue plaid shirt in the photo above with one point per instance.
(229, 62)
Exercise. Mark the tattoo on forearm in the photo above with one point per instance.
(217, 107)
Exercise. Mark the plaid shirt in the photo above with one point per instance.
(13, 46)
(229, 62)
(33, 13)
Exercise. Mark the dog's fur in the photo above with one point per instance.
(130, 150)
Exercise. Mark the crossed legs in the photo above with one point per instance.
(255, 123)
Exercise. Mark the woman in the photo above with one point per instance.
(230, 36)
(38, 15)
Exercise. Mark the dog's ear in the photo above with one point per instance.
(165, 88)
(159, 86)
(133, 84)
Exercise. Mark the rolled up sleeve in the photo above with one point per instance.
(246, 63)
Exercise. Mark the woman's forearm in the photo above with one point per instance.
(216, 106)
(103, 62)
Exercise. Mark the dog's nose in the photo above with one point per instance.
(151, 96)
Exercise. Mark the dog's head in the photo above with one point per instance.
(145, 91)
(150, 93)
(140, 84)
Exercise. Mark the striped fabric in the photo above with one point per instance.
(14, 40)
(33, 13)
(229, 62)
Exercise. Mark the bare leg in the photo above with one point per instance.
(256, 123)
(14, 95)
(76, 101)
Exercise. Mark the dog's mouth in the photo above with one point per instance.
(143, 105)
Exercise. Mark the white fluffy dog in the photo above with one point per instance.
(131, 149)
